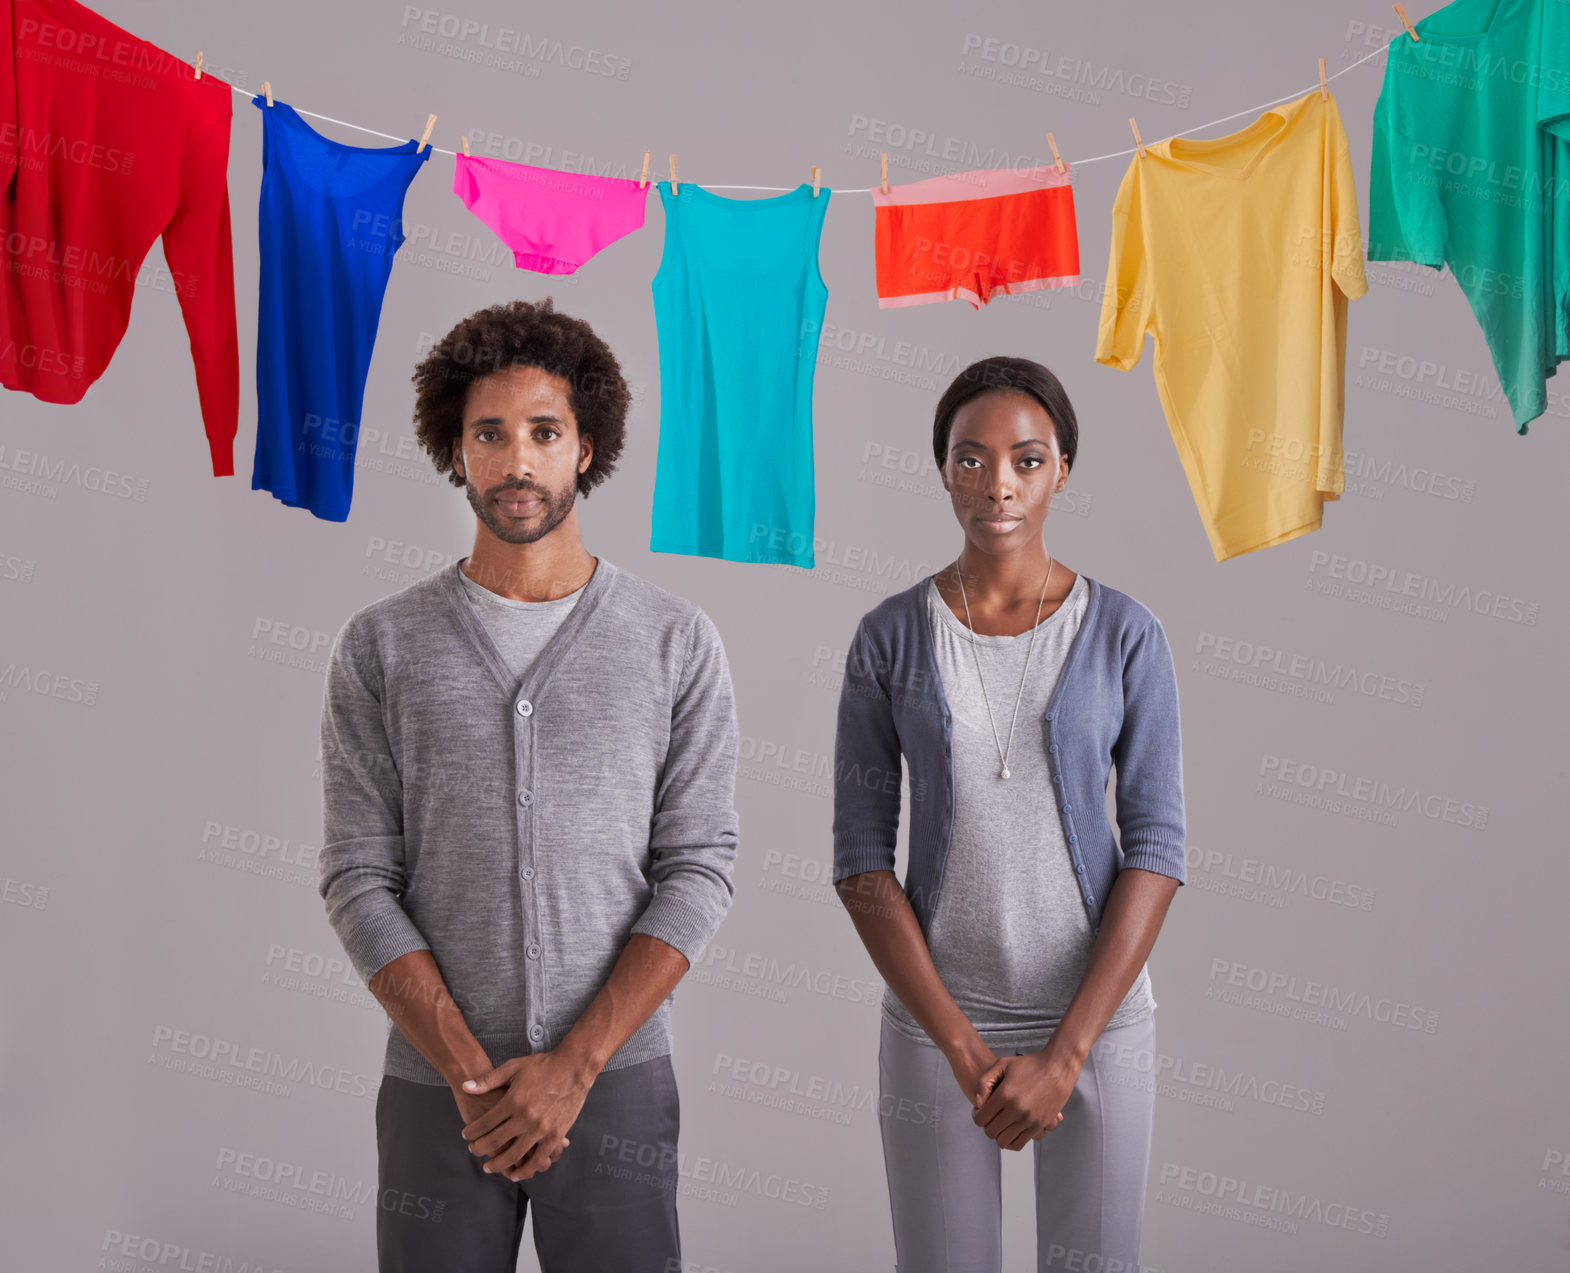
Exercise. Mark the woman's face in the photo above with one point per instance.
(1002, 470)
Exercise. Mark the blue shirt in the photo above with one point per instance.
(738, 305)
(1115, 703)
(329, 219)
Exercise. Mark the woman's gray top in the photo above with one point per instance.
(1010, 936)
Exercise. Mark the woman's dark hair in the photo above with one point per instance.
(517, 333)
(1014, 375)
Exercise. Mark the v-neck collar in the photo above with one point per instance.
(929, 644)
(1425, 28)
(1281, 116)
(593, 592)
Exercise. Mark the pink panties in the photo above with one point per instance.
(553, 221)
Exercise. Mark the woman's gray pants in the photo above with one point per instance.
(944, 1171)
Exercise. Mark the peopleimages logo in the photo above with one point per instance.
(1375, 795)
(787, 974)
(1306, 669)
(1026, 59)
(1193, 1081)
(164, 1253)
(1319, 994)
(1373, 580)
(1257, 878)
(306, 1189)
(789, 1089)
(1555, 1177)
(261, 1069)
(1236, 1198)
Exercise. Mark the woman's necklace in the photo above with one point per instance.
(1003, 753)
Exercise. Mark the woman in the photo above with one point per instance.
(1011, 684)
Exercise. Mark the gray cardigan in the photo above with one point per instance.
(521, 830)
(1115, 703)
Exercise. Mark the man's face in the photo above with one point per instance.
(520, 452)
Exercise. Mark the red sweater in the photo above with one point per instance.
(106, 142)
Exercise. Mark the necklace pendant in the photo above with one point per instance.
(1005, 772)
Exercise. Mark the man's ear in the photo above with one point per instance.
(586, 446)
(457, 456)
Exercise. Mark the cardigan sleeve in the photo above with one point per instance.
(1148, 755)
(866, 765)
(695, 830)
(363, 868)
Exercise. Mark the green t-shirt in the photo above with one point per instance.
(1471, 169)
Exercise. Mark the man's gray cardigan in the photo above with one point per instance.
(521, 831)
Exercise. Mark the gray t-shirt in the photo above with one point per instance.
(1010, 937)
(520, 629)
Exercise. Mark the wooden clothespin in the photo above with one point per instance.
(1401, 13)
(198, 64)
(1056, 158)
(1138, 141)
(267, 91)
(815, 172)
(1324, 89)
(675, 189)
(885, 165)
(426, 135)
(464, 142)
(643, 181)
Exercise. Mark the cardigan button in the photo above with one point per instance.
(1053, 747)
(1049, 715)
(1080, 868)
(1074, 839)
(1068, 808)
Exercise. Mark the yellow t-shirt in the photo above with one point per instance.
(1239, 255)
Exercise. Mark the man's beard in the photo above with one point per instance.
(555, 508)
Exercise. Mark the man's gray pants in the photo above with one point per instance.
(609, 1202)
(944, 1172)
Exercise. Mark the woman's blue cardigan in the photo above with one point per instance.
(1115, 705)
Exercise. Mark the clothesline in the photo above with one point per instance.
(1078, 163)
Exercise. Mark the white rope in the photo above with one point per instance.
(1078, 163)
(1251, 110)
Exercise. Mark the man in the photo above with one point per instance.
(529, 775)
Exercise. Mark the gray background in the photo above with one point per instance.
(165, 634)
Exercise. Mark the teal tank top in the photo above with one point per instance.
(738, 306)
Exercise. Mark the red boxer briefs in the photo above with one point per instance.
(974, 234)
